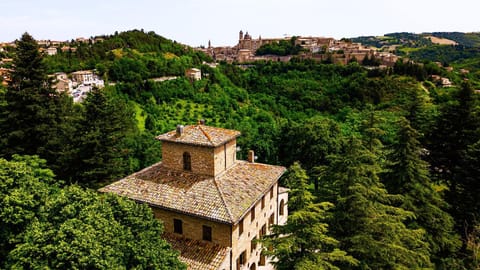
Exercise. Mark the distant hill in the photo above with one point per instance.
(131, 55)
(418, 40)
(450, 48)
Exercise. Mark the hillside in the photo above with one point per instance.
(148, 54)
(379, 154)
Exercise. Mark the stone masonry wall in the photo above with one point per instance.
(192, 226)
(204, 160)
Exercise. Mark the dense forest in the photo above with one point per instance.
(383, 163)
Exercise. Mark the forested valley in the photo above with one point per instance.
(383, 163)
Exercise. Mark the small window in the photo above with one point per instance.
(262, 260)
(282, 205)
(252, 214)
(243, 258)
(253, 244)
(263, 202)
(187, 161)
(177, 226)
(240, 227)
(271, 220)
(207, 233)
(271, 193)
(263, 231)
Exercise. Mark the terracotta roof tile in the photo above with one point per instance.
(201, 135)
(225, 198)
(198, 254)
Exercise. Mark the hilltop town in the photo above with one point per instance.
(316, 48)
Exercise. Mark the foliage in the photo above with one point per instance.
(280, 48)
(455, 132)
(408, 175)
(300, 110)
(366, 220)
(43, 226)
(106, 123)
(35, 117)
(303, 242)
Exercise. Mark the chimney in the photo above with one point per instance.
(179, 131)
(251, 156)
(201, 122)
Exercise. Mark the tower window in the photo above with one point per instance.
(187, 161)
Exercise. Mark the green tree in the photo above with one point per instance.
(303, 242)
(24, 186)
(102, 156)
(313, 140)
(408, 175)
(366, 220)
(45, 227)
(457, 130)
(34, 118)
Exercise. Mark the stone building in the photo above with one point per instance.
(193, 74)
(214, 207)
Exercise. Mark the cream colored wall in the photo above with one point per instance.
(225, 156)
(252, 229)
(283, 218)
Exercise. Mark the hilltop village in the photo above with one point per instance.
(240, 159)
(316, 48)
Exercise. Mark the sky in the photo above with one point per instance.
(195, 22)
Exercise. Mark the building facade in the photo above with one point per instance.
(214, 207)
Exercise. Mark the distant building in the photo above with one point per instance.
(193, 74)
(82, 76)
(62, 83)
(214, 207)
(5, 76)
(51, 50)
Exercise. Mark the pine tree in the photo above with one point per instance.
(408, 175)
(454, 133)
(366, 220)
(106, 123)
(303, 242)
(34, 119)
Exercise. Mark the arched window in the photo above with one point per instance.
(187, 161)
(282, 205)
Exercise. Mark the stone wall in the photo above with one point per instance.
(204, 160)
(192, 226)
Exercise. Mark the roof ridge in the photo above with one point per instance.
(206, 134)
(223, 200)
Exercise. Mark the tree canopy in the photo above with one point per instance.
(45, 226)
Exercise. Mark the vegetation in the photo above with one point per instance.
(45, 226)
(281, 48)
(390, 178)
